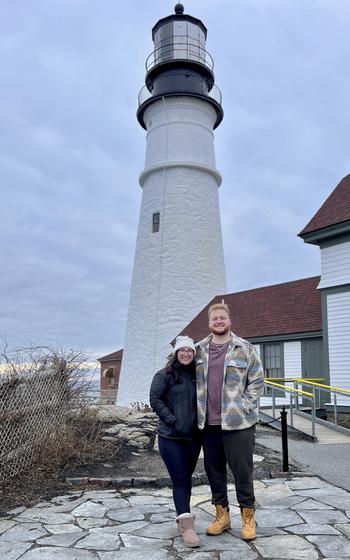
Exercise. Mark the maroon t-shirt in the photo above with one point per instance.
(217, 353)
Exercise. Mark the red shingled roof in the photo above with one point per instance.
(289, 308)
(335, 209)
(113, 356)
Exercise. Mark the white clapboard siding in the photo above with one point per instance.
(292, 368)
(335, 265)
(338, 310)
(292, 358)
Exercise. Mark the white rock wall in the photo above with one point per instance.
(179, 269)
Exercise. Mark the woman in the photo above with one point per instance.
(173, 398)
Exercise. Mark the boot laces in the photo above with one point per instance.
(249, 518)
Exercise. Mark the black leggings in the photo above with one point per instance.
(180, 458)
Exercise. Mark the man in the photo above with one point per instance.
(230, 380)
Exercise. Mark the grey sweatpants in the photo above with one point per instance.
(234, 448)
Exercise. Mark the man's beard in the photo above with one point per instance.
(220, 332)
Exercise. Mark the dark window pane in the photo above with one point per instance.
(155, 222)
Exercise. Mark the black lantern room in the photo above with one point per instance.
(179, 64)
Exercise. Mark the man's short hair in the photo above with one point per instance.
(217, 306)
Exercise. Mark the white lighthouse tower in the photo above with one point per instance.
(179, 262)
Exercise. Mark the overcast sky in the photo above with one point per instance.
(71, 150)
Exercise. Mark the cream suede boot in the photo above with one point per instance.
(186, 526)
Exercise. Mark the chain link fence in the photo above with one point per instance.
(38, 389)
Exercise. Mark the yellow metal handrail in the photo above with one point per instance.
(330, 387)
(295, 378)
(299, 391)
(310, 381)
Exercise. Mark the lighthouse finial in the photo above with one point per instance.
(179, 9)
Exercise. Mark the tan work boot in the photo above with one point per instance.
(248, 524)
(222, 521)
(187, 530)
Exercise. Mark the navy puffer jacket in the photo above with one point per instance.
(175, 404)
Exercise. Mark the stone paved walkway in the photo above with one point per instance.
(303, 518)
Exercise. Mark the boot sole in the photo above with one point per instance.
(216, 534)
(249, 539)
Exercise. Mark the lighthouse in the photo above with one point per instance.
(179, 261)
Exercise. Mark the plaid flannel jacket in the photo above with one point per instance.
(242, 387)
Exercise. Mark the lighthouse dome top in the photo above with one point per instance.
(179, 19)
(179, 9)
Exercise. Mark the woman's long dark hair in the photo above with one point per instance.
(174, 368)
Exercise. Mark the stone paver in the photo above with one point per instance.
(89, 509)
(331, 546)
(63, 528)
(5, 525)
(286, 547)
(135, 541)
(12, 551)
(313, 529)
(136, 553)
(23, 533)
(345, 529)
(272, 518)
(310, 504)
(299, 518)
(46, 516)
(91, 522)
(50, 553)
(323, 516)
(100, 541)
(63, 539)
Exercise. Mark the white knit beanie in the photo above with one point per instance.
(184, 342)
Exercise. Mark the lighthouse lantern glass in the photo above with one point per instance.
(179, 39)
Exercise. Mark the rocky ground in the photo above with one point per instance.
(136, 463)
(303, 518)
(138, 457)
(123, 509)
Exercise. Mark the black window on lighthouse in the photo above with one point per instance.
(155, 222)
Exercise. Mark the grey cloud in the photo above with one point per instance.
(71, 150)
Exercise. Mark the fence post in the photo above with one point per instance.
(284, 431)
(313, 419)
(335, 408)
(296, 396)
(291, 409)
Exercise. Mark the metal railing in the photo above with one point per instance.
(315, 396)
(293, 396)
(213, 92)
(329, 389)
(179, 47)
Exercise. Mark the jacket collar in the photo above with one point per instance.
(234, 341)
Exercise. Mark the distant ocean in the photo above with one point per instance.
(92, 376)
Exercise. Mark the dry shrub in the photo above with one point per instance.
(46, 422)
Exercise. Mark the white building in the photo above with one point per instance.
(330, 230)
(179, 261)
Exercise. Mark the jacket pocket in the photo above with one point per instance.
(238, 363)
